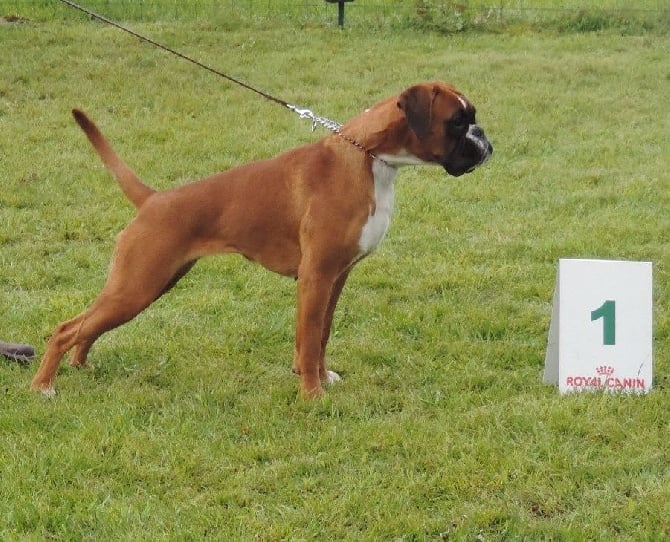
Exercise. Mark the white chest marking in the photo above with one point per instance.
(375, 228)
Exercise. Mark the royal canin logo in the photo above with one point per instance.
(605, 370)
(604, 379)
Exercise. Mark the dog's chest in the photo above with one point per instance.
(375, 228)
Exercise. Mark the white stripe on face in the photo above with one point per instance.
(462, 100)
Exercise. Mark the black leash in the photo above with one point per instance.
(302, 112)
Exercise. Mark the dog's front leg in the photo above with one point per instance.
(314, 294)
(330, 376)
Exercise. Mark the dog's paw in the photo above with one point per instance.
(48, 391)
(332, 377)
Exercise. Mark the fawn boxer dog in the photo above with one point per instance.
(310, 213)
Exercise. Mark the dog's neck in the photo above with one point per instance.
(379, 130)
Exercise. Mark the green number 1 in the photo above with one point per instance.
(607, 311)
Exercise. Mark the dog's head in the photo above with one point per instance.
(443, 129)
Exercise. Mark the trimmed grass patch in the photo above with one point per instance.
(188, 425)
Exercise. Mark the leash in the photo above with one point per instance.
(302, 113)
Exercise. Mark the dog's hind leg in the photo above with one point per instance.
(177, 277)
(138, 276)
(80, 333)
(79, 355)
(80, 350)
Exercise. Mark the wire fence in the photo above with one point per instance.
(446, 16)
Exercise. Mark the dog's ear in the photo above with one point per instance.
(417, 104)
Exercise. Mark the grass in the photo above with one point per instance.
(188, 426)
(441, 16)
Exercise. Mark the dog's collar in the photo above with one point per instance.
(334, 127)
(363, 148)
(376, 158)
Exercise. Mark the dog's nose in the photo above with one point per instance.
(476, 131)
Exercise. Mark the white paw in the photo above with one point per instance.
(332, 377)
(49, 393)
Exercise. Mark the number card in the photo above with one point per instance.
(600, 337)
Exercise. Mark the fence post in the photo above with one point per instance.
(340, 10)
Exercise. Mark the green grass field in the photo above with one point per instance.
(188, 427)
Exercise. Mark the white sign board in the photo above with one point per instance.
(600, 337)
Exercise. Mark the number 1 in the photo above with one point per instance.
(607, 311)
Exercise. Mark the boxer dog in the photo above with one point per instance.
(310, 213)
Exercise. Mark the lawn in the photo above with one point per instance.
(188, 426)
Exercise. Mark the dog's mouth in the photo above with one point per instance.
(474, 149)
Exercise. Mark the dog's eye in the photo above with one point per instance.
(457, 124)
(461, 121)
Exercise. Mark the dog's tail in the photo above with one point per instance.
(134, 189)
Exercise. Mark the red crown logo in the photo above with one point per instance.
(605, 370)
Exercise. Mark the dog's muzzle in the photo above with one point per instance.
(472, 151)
